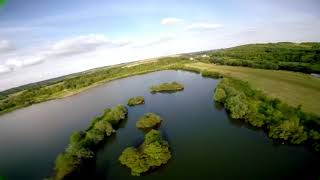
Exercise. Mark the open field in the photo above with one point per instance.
(293, 88)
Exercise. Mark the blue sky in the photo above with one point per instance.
(42, 39)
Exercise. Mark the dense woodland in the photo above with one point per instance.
(303, 57)
(281, 121)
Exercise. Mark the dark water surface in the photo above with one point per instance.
(205, 142)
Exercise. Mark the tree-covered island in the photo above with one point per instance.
(149, 120)
(167, 87)
(136, 101)
(153, 152)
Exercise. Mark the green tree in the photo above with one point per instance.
(289, 130)
(148, 120)
(153, 152)
(220, 95)
(237, 106)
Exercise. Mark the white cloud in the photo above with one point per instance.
(153, 41)
(14, 63)
(4, 69)
(203, 26)
(5, 46)
(82, 44)
(63, 49)
(18, 62)
(171, 21)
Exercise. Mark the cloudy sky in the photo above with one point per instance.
(42, 39)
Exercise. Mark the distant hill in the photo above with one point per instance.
(300, 57)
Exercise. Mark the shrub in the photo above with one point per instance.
(289, 130)
(136, 101)
(219, 95)
(167, 87)
(212, 74)
(149, 120)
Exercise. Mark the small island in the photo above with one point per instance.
(136, 101)
(149, 120)
(167, 87)
(153, 152)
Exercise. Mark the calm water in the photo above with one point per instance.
(205, 142)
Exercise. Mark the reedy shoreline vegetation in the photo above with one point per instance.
(83, 145)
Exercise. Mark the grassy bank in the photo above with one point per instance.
(293, 88)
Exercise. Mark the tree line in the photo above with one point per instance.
(281, 121)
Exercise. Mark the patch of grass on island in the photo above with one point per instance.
(136, 101)
(167, 87)
(153, 152)
(82, 145)
(148, 121)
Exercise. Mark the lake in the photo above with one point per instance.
(205, 142)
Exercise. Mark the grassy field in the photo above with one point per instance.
(290, 87)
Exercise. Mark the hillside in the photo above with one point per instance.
(300, 57)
